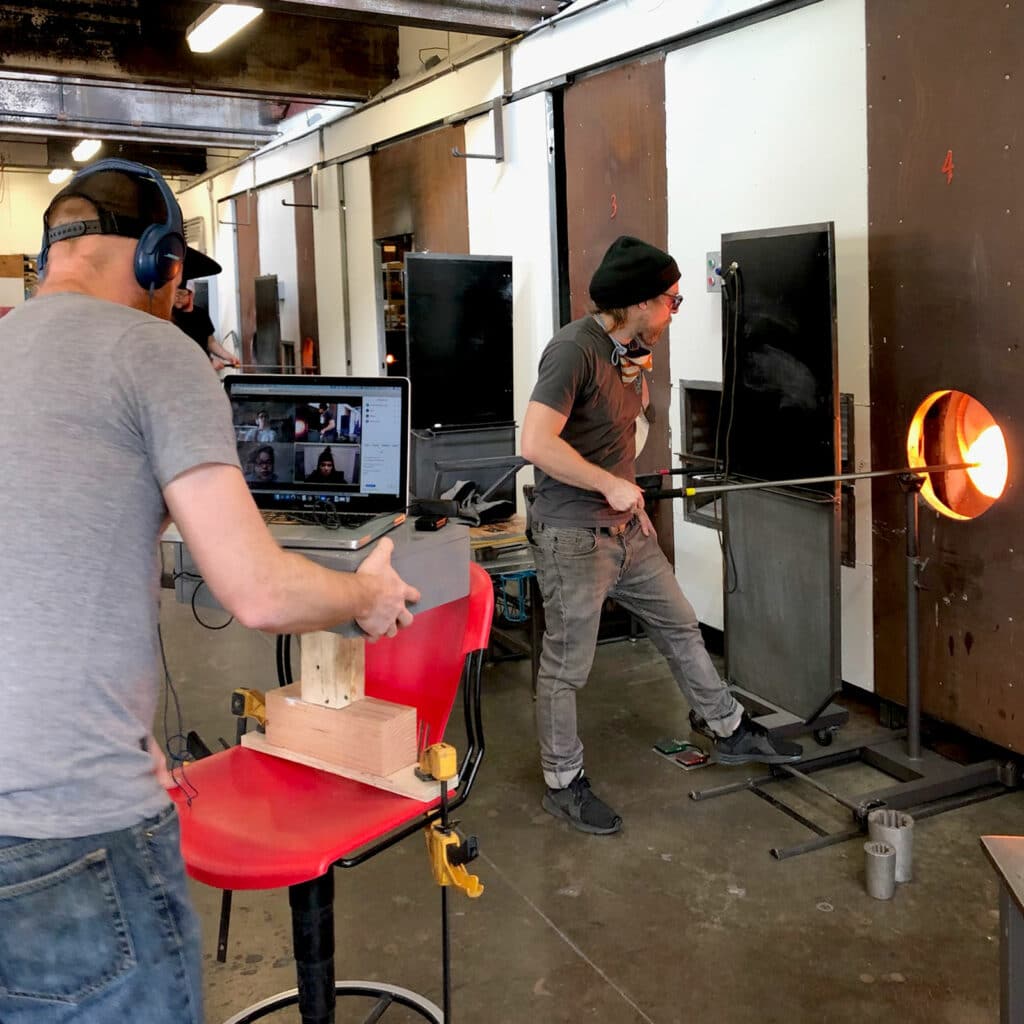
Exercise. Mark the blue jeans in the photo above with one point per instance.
(577, 569)
(99, 929)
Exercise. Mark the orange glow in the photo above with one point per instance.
(389, 359)
(951, 426)
(989, 449)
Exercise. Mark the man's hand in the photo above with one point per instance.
(624, 496)
(646, 526)
(388, 593)
(156, 755)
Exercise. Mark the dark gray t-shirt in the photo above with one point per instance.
(578, 379)
(102, 406)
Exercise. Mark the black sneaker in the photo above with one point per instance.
(577, 805)
(750, 744)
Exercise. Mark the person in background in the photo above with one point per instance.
(96, 925)
(325, 472)
(592, 538)
(196, 323)
(262, 467)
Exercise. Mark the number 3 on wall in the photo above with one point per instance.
(947, 166)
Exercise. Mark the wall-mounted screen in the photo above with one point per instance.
(459, 338)
(780, 394)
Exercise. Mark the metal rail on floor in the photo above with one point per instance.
(924, 786)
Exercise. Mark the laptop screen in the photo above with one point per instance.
(306, 442)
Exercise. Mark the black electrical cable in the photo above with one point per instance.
(733, 290)
(200, 583)
(177, 742)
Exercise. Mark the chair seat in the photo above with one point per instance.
(259, 822)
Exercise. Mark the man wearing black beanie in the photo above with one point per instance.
(592, 538)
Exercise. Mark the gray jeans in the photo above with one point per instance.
(577, 569)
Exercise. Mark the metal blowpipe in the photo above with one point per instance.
(687, 492)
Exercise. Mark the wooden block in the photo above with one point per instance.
(403, 782)
(333, 669)
(370, 735)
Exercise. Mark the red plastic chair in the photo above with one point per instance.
(255, 821)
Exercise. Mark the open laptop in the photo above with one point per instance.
(325, 458)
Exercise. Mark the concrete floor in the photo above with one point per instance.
(684, 917)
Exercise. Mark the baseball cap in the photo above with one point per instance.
(126, 205)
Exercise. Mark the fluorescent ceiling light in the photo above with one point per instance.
(86, 150)
(218, 23)
(59, 175)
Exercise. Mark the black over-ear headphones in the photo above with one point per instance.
(160, 249)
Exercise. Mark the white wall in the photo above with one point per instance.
(24, 197)
(329, 226)
(584, 38)
(510, 214)
(780, 139)
(278, 253)
(363, 271)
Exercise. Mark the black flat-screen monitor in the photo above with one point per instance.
(780, 403)
(459, 339)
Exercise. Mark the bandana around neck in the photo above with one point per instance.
(631, 359)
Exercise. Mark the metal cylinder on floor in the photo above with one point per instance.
(897, 829)
(880, 870)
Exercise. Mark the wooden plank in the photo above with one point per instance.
(419, 189)
(369, 735)
(333, 669)
(12, 266)
(403, 782)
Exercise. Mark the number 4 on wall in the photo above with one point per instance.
(947, 166)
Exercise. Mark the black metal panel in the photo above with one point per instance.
(780, 396)
(782, 611)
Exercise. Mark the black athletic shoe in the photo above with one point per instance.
(577, 805)
(751, 744)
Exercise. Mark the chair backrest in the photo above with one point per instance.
(422, 666)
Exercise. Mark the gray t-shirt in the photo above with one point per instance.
(578, 379)
(102, 406)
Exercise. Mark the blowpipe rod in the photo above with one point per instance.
(719, 488)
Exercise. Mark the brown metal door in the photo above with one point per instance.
(946, 275)
(616, 184)
(247, 242)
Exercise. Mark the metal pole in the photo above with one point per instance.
(918, 472)
(446, 953)
(912, 488)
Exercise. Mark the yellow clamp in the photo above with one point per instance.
(438, 762)
(445, 852)
(246, 703)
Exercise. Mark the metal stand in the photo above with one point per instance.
(782, 723)
(926, 782)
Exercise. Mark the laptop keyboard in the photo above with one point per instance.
(330, 520)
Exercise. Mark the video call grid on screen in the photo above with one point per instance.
(334, 440)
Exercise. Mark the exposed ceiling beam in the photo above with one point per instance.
(481, 17)
(283, 55)
(43, 105)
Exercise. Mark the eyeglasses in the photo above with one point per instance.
(675, 301)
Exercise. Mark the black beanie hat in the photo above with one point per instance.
(632, 271)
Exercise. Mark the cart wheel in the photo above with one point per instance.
(824, 737)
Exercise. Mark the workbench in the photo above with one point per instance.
(1007, 856)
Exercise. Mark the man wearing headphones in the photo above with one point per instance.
(95, 922)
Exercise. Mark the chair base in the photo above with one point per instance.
(387, 995)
